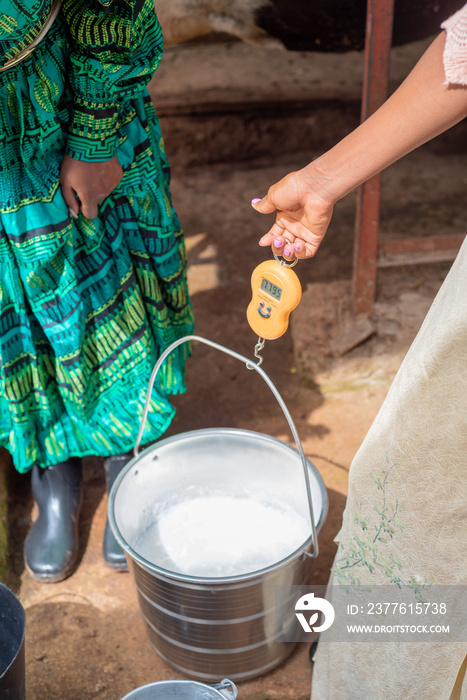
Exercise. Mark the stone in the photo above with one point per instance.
(354, 333)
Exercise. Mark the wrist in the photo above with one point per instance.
(320, 181)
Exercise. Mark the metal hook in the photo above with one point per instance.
(258, 347)
(283, 262)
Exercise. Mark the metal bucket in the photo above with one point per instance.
(184, 690)
(12, 663)
(217, 625)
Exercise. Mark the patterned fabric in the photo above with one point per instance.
(20, 24)
(86, 306)
(455, 49)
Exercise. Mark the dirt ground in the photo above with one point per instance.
(229, 137)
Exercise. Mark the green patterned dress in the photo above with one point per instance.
(86, 306)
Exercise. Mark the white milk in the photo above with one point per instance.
(217, 535)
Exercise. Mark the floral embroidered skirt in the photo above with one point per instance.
(405, 522)
(86, 306)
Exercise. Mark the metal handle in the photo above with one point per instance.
(279, 399)
(230, 689)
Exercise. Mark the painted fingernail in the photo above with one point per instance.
(277, 243)
(287, 251)
(297, 246)
(256, 200)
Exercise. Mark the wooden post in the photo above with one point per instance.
(378, 42)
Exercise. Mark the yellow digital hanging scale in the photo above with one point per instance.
(276, 292)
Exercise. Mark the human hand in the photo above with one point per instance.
(303, 214)
(91, 183)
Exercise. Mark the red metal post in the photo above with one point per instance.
(378, 42)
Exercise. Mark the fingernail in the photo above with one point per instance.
(72, 213)
(296, 246)
(287, 251)
(278, 243)
(256, 200)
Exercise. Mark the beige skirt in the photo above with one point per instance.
(411, 469)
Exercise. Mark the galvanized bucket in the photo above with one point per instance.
(12, 662)
(210, 626)
(184, 690)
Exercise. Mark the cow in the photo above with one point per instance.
(297, 25)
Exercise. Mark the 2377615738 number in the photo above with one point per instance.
(406, 608)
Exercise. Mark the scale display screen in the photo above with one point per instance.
(271, 288)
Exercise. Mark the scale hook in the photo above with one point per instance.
(258, 347)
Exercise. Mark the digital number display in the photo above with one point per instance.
(271, 289)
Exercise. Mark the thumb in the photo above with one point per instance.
(264, 206)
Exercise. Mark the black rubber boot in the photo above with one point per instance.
(113, 554)
(51, 547)
(312, 651)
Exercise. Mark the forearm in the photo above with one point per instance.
(420, 109)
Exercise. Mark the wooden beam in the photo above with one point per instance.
(410, 251)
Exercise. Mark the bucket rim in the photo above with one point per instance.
(22, 615)
(186, 682)
(212, 580)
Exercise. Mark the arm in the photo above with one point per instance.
(421, 108)
(115, 48)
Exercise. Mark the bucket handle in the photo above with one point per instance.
(230, 689)
(250, 365)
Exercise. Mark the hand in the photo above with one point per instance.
(302, 218)
(90, 182)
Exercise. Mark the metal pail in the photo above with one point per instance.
(184, 690)
(12, 663)
(227, 624)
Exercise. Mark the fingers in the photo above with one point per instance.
(304, 250)
(284, 247)
(282, 240)
(89, 209)
(291, 249)
(69, 195)
(85, 185)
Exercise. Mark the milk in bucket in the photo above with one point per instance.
(200, 533)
